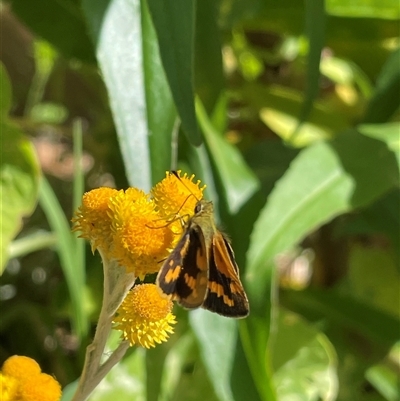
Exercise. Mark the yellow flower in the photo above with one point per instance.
(8, 388)
(176, 199)
(145, 317)
(19, 367)
(21, 380)
(93, 220)
(139, 244)
(177, 195)
(42, 387)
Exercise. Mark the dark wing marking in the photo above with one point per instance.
(184, 274)
(226, 295)
(170, 271)
(191, 287)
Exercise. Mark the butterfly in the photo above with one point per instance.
(201, 271)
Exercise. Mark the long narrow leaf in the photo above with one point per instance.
(67, 252)
(116, 30)
(174, 21)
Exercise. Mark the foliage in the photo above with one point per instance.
(288, 111)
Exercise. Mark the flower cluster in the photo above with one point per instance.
(21, 379)
(138, 231)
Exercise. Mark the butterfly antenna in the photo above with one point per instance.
(175, 173)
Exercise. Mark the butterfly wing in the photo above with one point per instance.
(184, 275)
(226, 295)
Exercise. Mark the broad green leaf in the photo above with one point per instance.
(5, 91)
(116, 28)
(386, 9)
(68, 34)
(304, 361)
(217, 347)
(174, 22)
(161, 113)
(388, 133)
(385, 100)
(345, 312)
(315, 31)
(19, 184)
(325, 180)
(238, 180)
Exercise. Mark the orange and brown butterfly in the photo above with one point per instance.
(201, 270)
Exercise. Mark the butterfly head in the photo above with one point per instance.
(204, 208)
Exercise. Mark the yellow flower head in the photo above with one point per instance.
(177, 195)
(19, 367)
(139, 244)
(21, 379)
(92, 218)
(145, 317)
(8, 388)
(176, 199)
(42, 387)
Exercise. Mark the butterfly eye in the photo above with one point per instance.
(198, 208)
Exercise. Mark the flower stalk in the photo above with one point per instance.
(116, 285)
(122, 226)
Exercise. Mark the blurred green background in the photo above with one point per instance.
(287, 110)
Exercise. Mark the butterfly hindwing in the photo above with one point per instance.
(225, 295)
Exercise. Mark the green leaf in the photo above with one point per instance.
(125, 381)
(174, 22)
(279, 108)
(386, 100)
(217, 347)
(70, 259)
(324, 181)
(388, 133)
(254, 333)
(19, 183)
(68, 34)
(118, 35)
(242, 381)
(5, 91)
(344, 311)
(174, 367)
(209, 78)
(304, 361)
(373, 278)
(161, 112)
(238, 180)
(315, 31)
(386, 9)
(385, 380)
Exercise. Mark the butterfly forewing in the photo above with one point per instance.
(225, 295)
(184, 275)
